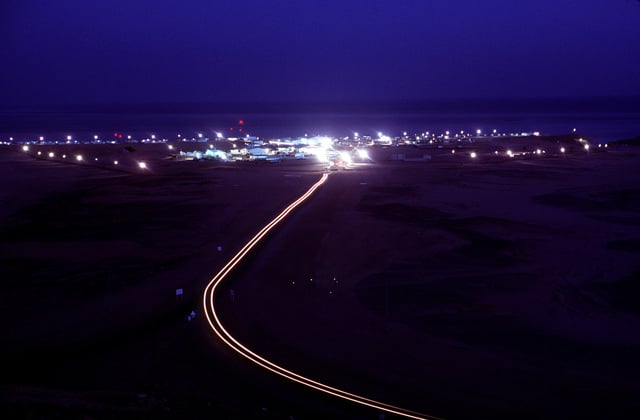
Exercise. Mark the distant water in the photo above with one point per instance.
(602, 119)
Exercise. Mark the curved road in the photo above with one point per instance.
(226, 337)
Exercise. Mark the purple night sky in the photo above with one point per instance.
(79, 52)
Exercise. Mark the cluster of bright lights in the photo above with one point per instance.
(363, 154)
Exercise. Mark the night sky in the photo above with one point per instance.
(100, 52)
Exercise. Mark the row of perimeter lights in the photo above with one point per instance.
(152, 137)
(80, 158)
(510, 153)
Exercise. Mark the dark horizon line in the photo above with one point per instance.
(628, 103)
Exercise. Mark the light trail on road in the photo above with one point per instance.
(226, 337)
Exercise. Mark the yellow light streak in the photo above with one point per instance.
(226, 337)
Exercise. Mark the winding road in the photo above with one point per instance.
(225, 336)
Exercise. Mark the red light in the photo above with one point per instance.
(241, 122)
(231, 128)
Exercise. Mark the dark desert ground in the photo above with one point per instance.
(458, 288)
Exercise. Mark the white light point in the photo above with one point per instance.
(78, 158)
(453, 151)
(39, 153)
(478, 132)
(509, 153)
(41, 138)
(95, 137)
(170, 147)
(562, 150)
(25, 148)
(51, 154)
(199, 135)
(473, 155)
(362, 154)
(142, 165)
(115, 162)
(586, 147)
(68, 138)
(153, 136)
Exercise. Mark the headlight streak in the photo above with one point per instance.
(218, 328)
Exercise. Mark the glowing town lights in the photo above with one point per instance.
(606, 145)
(404, 133)
(562, 150)
(128, 137)
(10, 138)
(495, 131)
(78, 158)
(170, 147)
(478, 131)
(41, 138)
(199, 135)
(153, 136)
(25, 148)
(95, 137)
(509, 153)
(586, 147)
(362, 154)
(379, 134)
(538, 151)
(219, 135)
(447, 133)
(142, 165)
(599, 145)
(68, 138)
(51, 154)
(355, 135)
(473, 155)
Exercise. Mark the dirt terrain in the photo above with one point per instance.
(456, 287)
